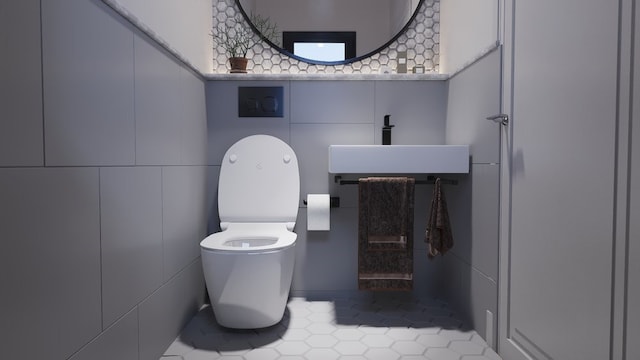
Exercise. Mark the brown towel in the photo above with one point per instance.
(385, 233)
(387, 212)
(438, 235)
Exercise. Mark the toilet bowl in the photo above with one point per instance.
(248, 266)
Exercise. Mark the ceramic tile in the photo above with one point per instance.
(344, 338)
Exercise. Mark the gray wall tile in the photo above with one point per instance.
(21, 85)
(311, 144)
(193, 120)
(158, 123)
(417, 110)
(131, 227)
(120, 341)
(49, 219)
(88, 85)
(184, 216)
(474, 94)
(163, 314)
(332, 101)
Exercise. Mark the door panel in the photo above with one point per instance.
(557, 280)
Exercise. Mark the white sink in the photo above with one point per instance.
(398, 159)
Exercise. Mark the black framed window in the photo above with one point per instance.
(321, 45)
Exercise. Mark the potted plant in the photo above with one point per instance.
(236, 37)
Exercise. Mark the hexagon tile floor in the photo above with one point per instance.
(374, 328)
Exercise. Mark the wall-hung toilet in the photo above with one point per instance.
(248, 267)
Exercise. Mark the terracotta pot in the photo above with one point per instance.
(238, 64)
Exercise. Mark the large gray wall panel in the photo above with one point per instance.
(119, 341)
(163, 314)
(49, 260)
(417, 110)
(131, 227)
(474, 94)
(194, 137)
(83, 251)
(158, 123)
(332, 101)
(184, 213)
(20, 84)
(88, 85)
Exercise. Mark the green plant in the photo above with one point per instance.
(237, 37)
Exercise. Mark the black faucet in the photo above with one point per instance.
(386, 131)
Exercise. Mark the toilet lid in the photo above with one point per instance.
(259, 181)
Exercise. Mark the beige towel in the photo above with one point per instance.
(438, 235)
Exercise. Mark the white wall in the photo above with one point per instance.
(184, 25)
(103, 199)
(468, 28)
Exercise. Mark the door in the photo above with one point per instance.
(557, 206)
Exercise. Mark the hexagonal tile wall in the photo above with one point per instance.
(382, 327)
(421, 41)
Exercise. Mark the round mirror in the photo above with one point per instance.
(332, 32)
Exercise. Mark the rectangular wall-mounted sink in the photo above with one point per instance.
(398, 159)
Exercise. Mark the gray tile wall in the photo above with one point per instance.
(318, 114)
(471, 280)
(102, 186)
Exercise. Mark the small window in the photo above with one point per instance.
(321, 45)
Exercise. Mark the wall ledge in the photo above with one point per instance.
(307, 76)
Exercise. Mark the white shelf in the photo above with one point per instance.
(398, 159)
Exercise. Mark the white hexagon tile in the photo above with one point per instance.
(343, 328)
(421, 41)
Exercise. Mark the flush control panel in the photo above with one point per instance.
(260, 101)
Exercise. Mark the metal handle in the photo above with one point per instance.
(499, 118)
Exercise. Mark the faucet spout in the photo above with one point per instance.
(386, 131)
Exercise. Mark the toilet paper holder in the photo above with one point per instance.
(334, 202)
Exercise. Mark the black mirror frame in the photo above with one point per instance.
(344, 62)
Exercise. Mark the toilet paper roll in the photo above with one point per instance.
(318, 216)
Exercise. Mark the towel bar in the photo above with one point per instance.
(430, 180)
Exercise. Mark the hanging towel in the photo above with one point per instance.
(438, 235)
(385, 233)
(388, 210)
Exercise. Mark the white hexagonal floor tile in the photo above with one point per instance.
(381, 354)
(303, 334)
(295, 334)
(408, 347)
(292, 348)
(350, 348)
(402, 334)
(377, 340)
(321, 354)
(321, 341)
(433, 340)
(321, 328)
(466, 347)
(262, 354)
(442, 354)
(348, 334)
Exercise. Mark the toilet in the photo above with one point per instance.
(248, 266)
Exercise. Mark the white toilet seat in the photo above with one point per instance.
(250, 238)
